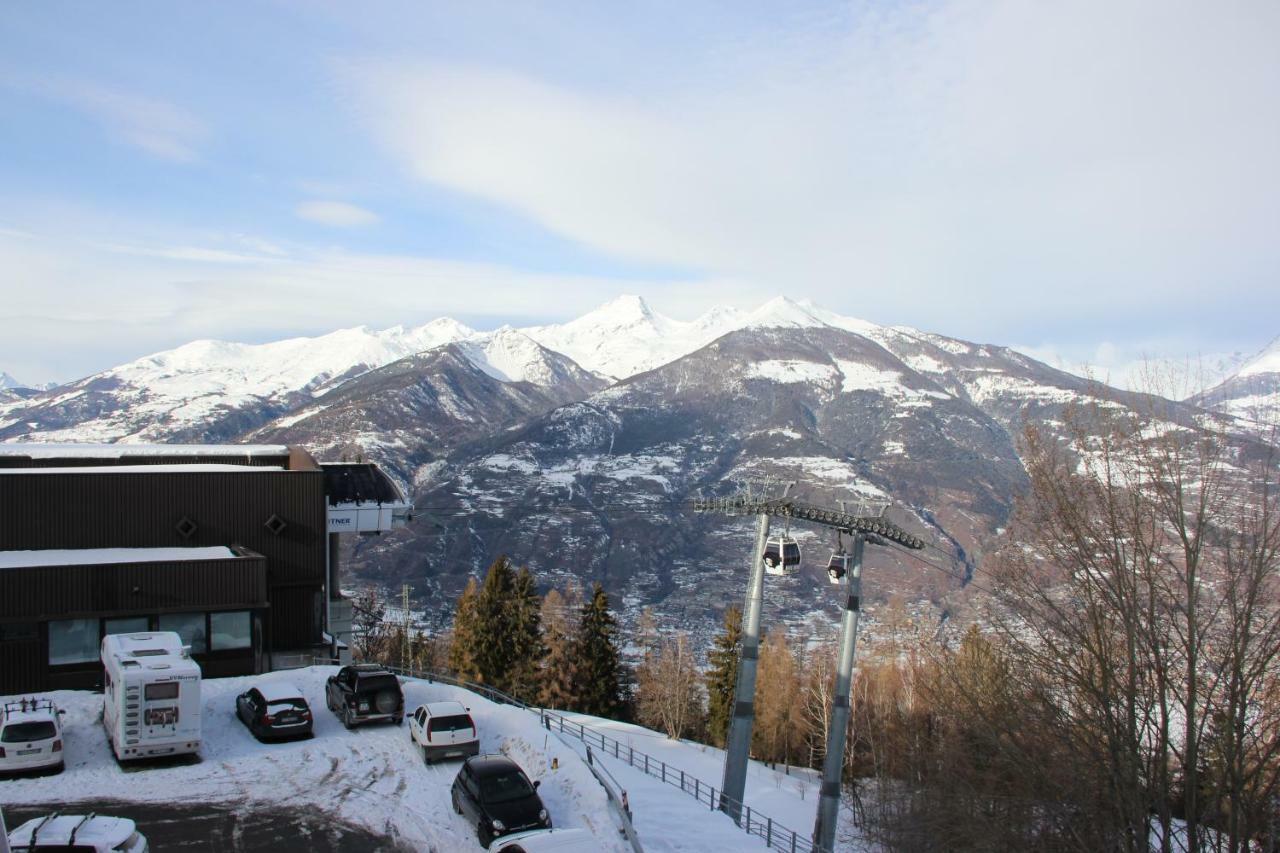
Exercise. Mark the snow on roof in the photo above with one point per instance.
(278, 691)
(60, 450)
(97, 831)
(437, 709)
(147, 469)
(102, 556)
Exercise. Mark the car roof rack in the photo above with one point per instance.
(31, 843)
(71, 842)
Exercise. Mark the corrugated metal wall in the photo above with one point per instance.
(42, 593)
(144, 510)
(281, 460)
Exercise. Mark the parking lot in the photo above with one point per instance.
(253, 827)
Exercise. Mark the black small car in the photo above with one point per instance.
(275, 709)
(364, 693)
(493, 791)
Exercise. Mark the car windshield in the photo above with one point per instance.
(457, 722)
(374, 683)
(20, 732)
(502, 787)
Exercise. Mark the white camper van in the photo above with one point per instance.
(151, 695)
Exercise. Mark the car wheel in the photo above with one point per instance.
(346, 718)
(426, 756)
(484, 834)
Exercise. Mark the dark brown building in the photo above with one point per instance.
(227, 545)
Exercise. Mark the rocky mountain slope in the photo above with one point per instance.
(1252, 393)
(576, 448)
(408, 414)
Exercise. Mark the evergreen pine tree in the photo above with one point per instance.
(722, 676)
(494, 650)
(599, 677)
(462, 648)
(526, 637)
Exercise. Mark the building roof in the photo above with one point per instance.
(148, 469)
(59, 450)
(103, 556)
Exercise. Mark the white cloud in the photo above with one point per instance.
(80, 304)
(155, 126)
(339, 214)
(937, 164)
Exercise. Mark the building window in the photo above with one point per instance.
(230, 630)
(190, 627)
(128, 625)
(73, 641)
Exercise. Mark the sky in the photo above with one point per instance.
(1093, 182)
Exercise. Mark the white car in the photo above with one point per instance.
(30, 736)
(444, 730)
(539, 840)
(78, 832)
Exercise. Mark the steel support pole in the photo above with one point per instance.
(824, 827)
(738, 745)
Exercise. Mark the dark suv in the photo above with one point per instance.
(493, 791)
(364, 693)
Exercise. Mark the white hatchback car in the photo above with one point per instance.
(444, 730)
(548, 840)
(78, 832)
(30, 736)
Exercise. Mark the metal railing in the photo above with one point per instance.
(774, 834)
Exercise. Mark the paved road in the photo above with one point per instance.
(221, 827)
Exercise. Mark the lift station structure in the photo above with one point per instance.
(861, 526)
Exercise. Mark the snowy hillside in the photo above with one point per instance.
(374, 777)
(216, 390)
(1252, 393)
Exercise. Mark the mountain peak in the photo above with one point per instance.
(627, 306)
(785, 311)
(1267, 361)
(7, 381)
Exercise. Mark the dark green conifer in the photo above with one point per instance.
(527, 644)
(599, 665)
(495, 651)
(722, 676)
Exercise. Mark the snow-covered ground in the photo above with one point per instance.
(790, 799)
(374, 777)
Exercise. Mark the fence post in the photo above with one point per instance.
(664, 771)
(697, 795)
(682, 781)
(748, 820)
(713, 798)
(646, 765)
(769, 836)
(631, 756)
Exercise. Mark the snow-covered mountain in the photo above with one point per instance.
(410, 413)
(1252, 393)
(625, 336)
(7, 382)
(216, 390)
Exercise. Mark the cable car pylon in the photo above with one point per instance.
(862, 527)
